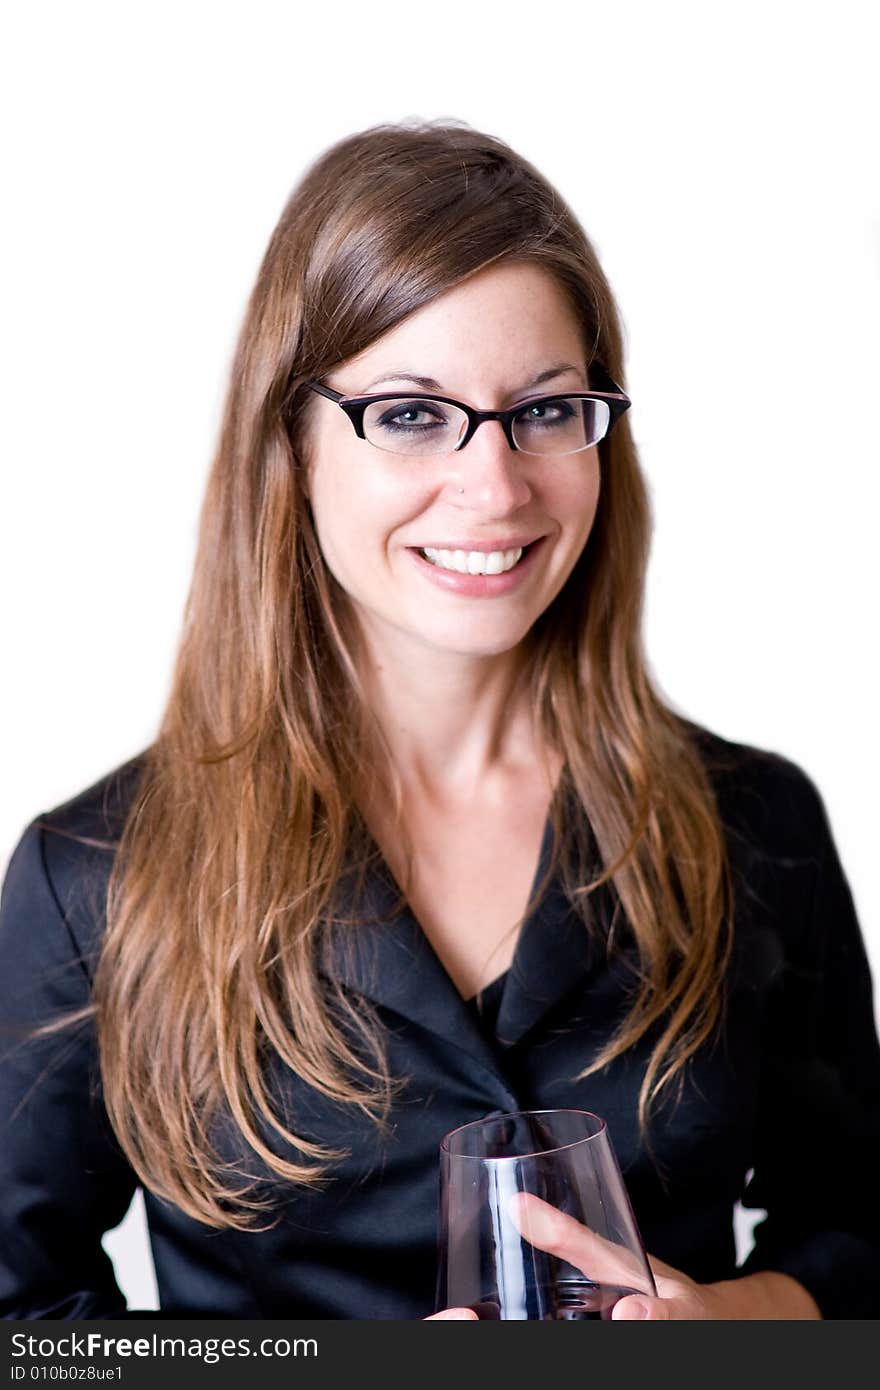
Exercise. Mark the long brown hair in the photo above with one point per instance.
(244, 820)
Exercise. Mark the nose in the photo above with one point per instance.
(490, 473)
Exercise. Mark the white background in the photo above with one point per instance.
(723, 160)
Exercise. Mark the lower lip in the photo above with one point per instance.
(480, 585)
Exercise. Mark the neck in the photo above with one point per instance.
(458, 726)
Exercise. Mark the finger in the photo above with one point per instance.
(630, 1309)
(682, 1308)
(547, 1228)
(664, 1270)
(462, 1314)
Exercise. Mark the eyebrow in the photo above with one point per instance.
(427, 383)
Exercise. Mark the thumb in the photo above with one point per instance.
(640, 1306)
(462, 1314)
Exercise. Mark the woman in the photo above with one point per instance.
(417, 838)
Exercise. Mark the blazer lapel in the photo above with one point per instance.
(556, 951)
(389, 959)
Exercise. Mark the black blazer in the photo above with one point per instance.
(782, 1112)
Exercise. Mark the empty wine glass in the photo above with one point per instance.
(486, 1261)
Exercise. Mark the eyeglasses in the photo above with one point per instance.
(420, 425)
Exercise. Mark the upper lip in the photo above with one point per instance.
(507, 543)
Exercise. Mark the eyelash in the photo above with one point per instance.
(387, 421)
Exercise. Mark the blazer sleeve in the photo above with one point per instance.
(817, 1160)
(63, 1179)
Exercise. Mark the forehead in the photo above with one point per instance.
(504, 323)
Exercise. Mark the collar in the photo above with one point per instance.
(389, 959)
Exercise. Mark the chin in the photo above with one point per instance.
(475, 644)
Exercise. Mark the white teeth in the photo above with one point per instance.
(474, 561)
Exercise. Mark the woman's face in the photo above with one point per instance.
(484, 342)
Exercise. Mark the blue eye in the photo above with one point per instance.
(546, 414)
(411, 417)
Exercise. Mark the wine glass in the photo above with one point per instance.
(486, 1261)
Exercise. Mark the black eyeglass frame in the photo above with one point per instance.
(355, 406)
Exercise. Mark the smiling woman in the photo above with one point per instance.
(479, 518)
(417, 838)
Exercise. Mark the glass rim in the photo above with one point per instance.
(372, 425)
(437, 453)
(617, 403)
(516, 1114)
(378, 397)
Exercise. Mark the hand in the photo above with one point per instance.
(464, 1314)
(601, 1261)
(763, 1295)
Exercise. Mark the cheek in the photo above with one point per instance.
(357, 509)
(333, 505)
(339, 521)
(579, 499)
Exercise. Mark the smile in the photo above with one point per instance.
(474, 561)
(479, 574)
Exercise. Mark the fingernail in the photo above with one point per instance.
(630, 1310)
(459, 1314)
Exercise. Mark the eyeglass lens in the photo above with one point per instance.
(553, 425)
